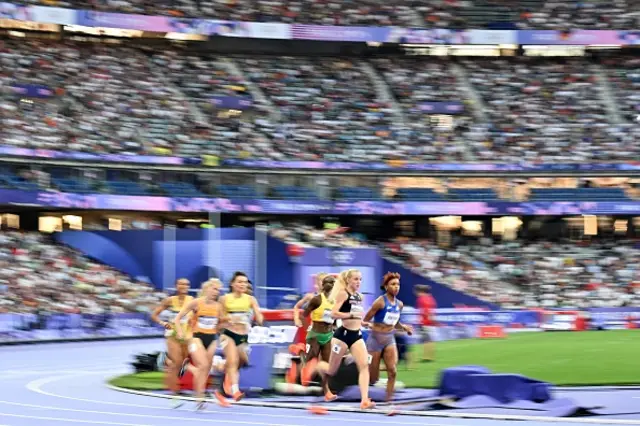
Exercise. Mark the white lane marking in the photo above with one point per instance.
(17, 373)
(440, 414)
(52, 365)
(57, 419)
(197, 419)
(36, 386)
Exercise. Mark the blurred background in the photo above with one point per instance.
(486, 148)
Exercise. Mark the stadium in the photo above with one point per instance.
(224, 169)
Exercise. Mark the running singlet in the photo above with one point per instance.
(353, 305)
(390, 314)
(238, 308)
(206, 318)
(169, 315)
(323, 312)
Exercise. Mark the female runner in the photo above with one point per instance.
(164, 315)
(348, 308)
(306, 298)
(381, 343)
(320, 334)
(202, 347)
(236, 308)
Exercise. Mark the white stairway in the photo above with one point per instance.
(383, 91)
(605, 94)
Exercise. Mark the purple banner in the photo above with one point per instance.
(232, 102)
(442, 107)
(340, 257)
(443, 167)
(32, 90)
(84, 156)
(613, 318)
(577, 37)
(224, 205)
(29, 327)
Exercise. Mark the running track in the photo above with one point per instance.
(64, 384)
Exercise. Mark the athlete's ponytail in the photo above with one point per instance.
(341, 282)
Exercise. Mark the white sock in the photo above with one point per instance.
(235, 388)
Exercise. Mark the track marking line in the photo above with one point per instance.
(440, 414)
(57, 419)
(197, 419)
(36, 386)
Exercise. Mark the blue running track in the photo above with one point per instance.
(64, 384)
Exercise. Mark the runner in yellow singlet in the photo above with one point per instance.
(164, 315)
(320, 334)
(206, 312)
(237, 307)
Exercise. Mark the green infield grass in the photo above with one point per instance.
(561, 358)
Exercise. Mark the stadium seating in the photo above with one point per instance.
(528, 14)
(332, 109)
(37, 274)
(512, 274)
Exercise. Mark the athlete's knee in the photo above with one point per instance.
(392, 372)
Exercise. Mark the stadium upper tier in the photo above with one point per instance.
(113, 99)
(38, 275)
(244, 187)
(526, 14)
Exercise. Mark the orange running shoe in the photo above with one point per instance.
(367, 404)
(328, 397)
(316, 409)
(307, 371)
(238, 396)
(222, 401)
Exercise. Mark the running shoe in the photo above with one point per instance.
(329, 396)
(222, 401)
(367, 404)
(176, 402)
(237, 396)
(201, 406)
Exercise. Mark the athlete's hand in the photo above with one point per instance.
(366, 324)
(407, 329)
(297, 322)
(167, 325)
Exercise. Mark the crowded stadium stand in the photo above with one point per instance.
(534, 109)
(38, 275)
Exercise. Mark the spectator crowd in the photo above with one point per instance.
(113, 99)
(515, 274)
(39, 276)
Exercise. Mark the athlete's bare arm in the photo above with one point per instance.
(189, 307)
(335, 312)
(256, 310)
(298, 306)
(313, 304)
(155, 316)
(377, 305)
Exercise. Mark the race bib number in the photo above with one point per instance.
(326, 316)
(336, 349)
(391, 318)
(207, 323)
(240, 318)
